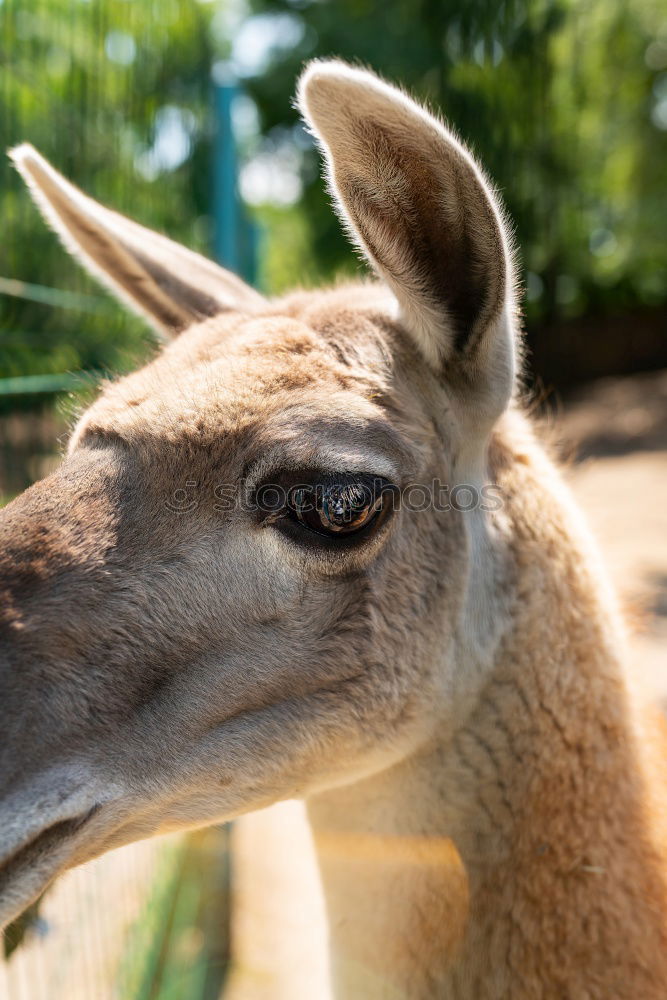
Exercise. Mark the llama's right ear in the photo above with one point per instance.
(170, 285)
(417, 205)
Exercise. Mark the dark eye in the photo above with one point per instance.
(340, 508)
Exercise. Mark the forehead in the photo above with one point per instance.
(309, 380)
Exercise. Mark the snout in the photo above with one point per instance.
(54, 540)
(44, 824)
(96, 627)
(54, 543)
(62, 794)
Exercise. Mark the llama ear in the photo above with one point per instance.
(416, 204)
(170, 285)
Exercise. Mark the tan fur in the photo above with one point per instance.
(449, 696)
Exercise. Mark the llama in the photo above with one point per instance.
(222, 598)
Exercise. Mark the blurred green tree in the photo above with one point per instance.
(564, 102)
(117, 96)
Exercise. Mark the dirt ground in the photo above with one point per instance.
(614, 436)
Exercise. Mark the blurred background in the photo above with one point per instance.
(178, 113)
(158, 107)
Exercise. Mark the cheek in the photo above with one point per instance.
(317, 639)
(264, 629)
(281, 630)
(424, 570)
(258, 662)
(279, 596)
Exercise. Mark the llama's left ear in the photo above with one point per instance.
(417, 205)
(167, 283)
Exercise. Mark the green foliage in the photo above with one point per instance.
(180, 945)
(565, 103)
(95, 86)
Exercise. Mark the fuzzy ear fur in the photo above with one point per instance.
(170, 285)
(417, 205)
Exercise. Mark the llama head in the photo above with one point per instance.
(227, 595)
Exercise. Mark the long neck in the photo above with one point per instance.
(517, 856)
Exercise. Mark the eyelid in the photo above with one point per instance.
(327, 463)
(291, 479)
